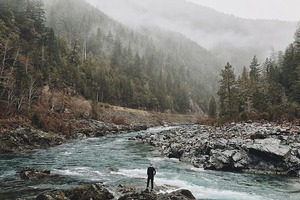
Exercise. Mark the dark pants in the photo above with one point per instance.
(150, 178)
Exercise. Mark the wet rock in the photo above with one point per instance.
(219, 143)
(138, 127)
(139, 195)
(57, 195)
(240, 160)
(269, 149)
(94, 128)
(130, 193)
(33, 174)
(178, 195)
(27, 138)
(199, 162)
(95, 191)
(220, 160)
(249, 147)
(175, 151)
(258, 135)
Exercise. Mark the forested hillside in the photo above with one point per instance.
(156, 70)
(31, 56)
(231, 39)
(269, 90)
(77, 50)
(54, 53)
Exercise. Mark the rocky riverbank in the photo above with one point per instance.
(238, 147)
(19, 134)
(97, 191)
(24, 138)
(19, 137)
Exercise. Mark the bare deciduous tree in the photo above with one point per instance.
(32, 89)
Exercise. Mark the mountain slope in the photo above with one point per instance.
(150, 69)
(230, 38)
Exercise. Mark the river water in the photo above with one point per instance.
(114, 159)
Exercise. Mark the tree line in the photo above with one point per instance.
(103, 63)
(268, 90)
(153, 70)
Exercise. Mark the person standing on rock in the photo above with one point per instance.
(150, 172)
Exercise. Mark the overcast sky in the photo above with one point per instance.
(257, 9)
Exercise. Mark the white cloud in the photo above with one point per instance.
(256, 9)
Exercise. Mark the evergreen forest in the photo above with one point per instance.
(269, 90)
(70, 44)
(72, 47)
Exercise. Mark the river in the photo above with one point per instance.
(114, 159)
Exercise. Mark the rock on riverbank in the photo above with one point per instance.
(247, 147)
(96, 190)
(94, 128)
(90, 191)
(19, 137)
(26, 138)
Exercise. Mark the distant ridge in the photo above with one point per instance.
(230, 38)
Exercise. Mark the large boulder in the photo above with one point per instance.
(95, 191)
(181, 194)
(139, 195)
(27, 138)
(220, 160)
(136, 192)
(175, 150)
(56, 195)
(33, 174)
(241, 160)
(249, 147)
(269, 149)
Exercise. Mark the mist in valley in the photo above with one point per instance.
(210, 89)
(228, 37)
(165, 55)
(178, 42)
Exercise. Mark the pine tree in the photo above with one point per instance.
(245, 92)
(297, 39)
(254, 70)
(116, 57)
(37, 14)
(289, 70)
(272, 89)
(212, 108)
(295, 88)
(227, 92)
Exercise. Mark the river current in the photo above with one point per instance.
(114, 159)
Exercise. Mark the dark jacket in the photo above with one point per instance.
(151, 171)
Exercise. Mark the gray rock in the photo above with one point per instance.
(269, 149)
(220, 160)
(33, 174)
(258, 135)
(177, 195)
(181, 194)
(255, 148)
(26, 138)
(95, 191)
(175, 151)
(241, 160)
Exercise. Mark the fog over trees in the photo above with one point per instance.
(230, 38)
(166, 56)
